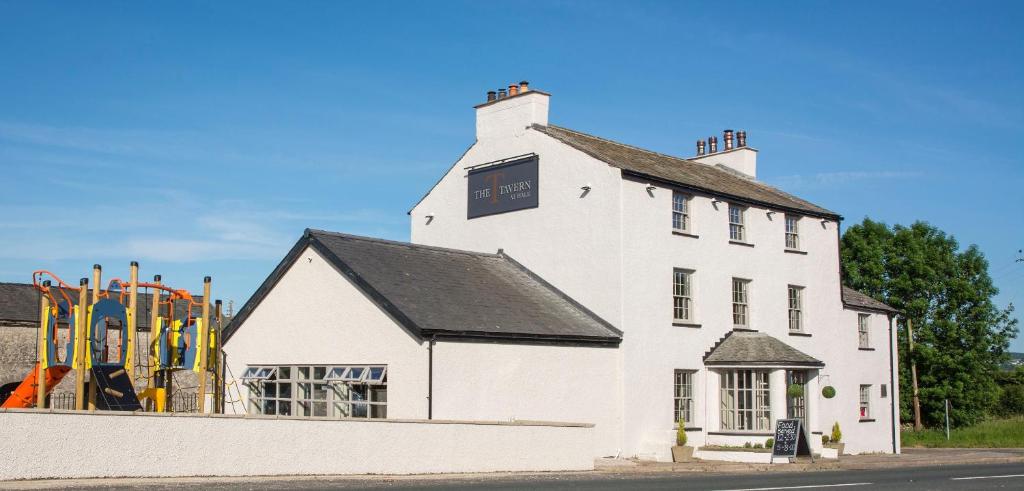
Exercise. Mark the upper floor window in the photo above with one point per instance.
(740, 302)
(682, 301)
(865, 402)
(684, 396)
(737, 230)
(864, 340)
(792, 232)
(796, 308)
(680, 212)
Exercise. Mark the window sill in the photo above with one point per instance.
(866, 349)
(866, 420)
(743, 329)
(687, 428)
(685, 234)
(740, 433)
(795, 251)
(686, 324)
(741, 243)
(800, 333)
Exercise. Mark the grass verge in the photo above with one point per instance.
(996, 433)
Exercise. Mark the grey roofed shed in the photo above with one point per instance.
(756, 348)
(449, 293)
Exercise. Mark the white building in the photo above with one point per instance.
(686, 289)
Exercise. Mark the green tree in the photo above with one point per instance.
(960, 336)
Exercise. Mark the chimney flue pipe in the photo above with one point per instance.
(727, 140)
(491, 95)
(741, 138)
(700, 147)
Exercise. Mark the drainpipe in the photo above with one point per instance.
(892, 384)
(430, 377)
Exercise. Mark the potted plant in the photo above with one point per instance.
(828, 391)
(835, 441)
(680, 452)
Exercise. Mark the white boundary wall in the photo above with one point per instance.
(66, 444)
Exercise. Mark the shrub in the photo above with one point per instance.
(769, 443)
(824, 439)
(837, 436)
(747, 445)
(1011, 401)
(828, 391)
(758, 445)
(795, 390)
(681, 434)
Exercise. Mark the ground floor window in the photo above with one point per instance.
(865, 402)
(335, 391)
(745, 401)
(684, 396)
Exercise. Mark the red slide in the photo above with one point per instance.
(25, 395)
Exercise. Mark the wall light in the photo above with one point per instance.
(651, 187)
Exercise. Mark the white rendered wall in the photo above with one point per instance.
(315, 316)
(530, 382)
(66, 444)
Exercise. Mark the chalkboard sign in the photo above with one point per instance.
(790, 439)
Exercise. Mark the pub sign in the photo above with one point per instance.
(504, 187)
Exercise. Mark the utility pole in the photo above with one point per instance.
(913, 375)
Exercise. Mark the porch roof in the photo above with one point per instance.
(756, 348)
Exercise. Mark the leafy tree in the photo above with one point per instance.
(960, 336)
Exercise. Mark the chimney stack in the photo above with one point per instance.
(491, 95)
(524, 86)
(727, 140)
(700, 147)
(513, 89)
(713, 144)
(741, 138)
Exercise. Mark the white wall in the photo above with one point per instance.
(531, 382)
(59, 445)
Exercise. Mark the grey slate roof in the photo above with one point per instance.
(435, 291)
(858, 300)
(686, 173)
(756, 348)
(19, 302)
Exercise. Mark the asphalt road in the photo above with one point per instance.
(961, 477)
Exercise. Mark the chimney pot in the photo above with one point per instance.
(501, 93)
(524, 86)
(741, 138)
(513, 89)
(491, 95)
(713, 144)
(700, 147)
(727, 139)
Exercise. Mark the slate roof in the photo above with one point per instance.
(756, 348)
(715, 180)
(858, 300)
(19, 302)
(435, 291)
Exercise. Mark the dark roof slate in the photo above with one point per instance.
(686, 173)
(19, 302)
(757, 348)
(449, 292)
(858, 300)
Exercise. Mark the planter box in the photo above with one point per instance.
(682, 454)
(829, 453)
(734, 456)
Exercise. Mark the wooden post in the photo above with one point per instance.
(204, 345)
(913, 376)
(218, 362)
(133, 304)
(44, 317)
(81, 338)
(169, 373)
(154, 335)
(96, 277)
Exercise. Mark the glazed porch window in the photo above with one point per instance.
(745, 402)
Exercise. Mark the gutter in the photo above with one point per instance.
(430, 377)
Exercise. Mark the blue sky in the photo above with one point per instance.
(202, 138)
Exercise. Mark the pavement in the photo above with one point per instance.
(915, 469)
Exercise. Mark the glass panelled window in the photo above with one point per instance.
(680, 212)
(792, 232)
(863, 339)
(796, 406)
(340, 391)
(740, 302)
(865, 402)
(796, 309)
(736, 229)
(745, 403)
(684, 396)
(682, 301)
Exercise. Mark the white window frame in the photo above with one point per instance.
(737, 224)
(258, 373)
(795, 304)
(865, 402)
(682, 295)
(864, 331)
(680, 212)
(792, 234)
(740, 303)
(683, 400)
(745, 400)
(318, 391)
